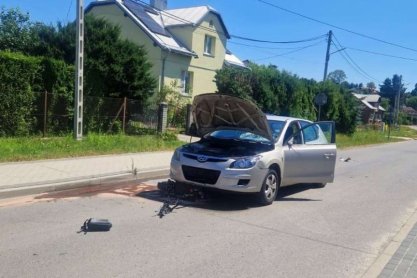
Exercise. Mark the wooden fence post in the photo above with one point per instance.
(124, 114)
(45, 113)
(162, 117)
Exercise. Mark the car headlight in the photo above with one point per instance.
(245, 162)
(177, 155)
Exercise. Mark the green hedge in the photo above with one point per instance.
(20, 108)
(17, 75)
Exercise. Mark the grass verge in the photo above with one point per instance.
(34, 148)
(363, 137)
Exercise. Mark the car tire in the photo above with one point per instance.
(269, 189)
(319, 185)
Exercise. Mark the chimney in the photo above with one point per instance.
(159, 4)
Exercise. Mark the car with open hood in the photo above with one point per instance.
(244, 150)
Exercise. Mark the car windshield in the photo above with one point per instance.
(276, 128)
(235, 134)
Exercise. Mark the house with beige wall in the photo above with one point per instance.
(185, 46)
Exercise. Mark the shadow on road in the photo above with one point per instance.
(285, 192)
(226, 201)
(213, 200)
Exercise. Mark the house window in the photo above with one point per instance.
(186, 82)
(211, 24)
(209, 42)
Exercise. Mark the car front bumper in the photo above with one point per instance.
(217, 175)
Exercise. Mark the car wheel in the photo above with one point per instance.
(269, 188)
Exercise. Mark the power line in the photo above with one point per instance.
(69, 8)
(262, 47)
(183, 20)
(337, 27)
(172, 16)
(290, 52)
(353, 64)
(350, 58)
(356, 67)
(382, 54)
(283, 42)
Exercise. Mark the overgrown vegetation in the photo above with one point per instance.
(37, 58)
(177, 104)
(24, 148)
(279, 92)
(363, 137)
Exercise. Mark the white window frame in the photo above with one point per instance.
(186, 83)
(209, 45)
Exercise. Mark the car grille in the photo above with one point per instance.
(200, 175)
(209, 159)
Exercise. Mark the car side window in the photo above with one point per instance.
(312, 133)
(293, 131)
(276, 128)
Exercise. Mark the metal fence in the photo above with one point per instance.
(53, 115)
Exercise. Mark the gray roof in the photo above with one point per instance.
(155, 23)
(231, 60)
(150, 21)
(190, 16)
(368, 98)
(368, 101)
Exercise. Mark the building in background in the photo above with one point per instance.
(369, 111)
(186, 46)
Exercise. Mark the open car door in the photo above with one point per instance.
(310, 153)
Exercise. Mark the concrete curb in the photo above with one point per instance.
(384, 257)
(37, 188)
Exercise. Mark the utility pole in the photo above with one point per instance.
(79, 70)
(397, 103)
(329, 41)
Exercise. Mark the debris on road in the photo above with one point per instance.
(176, 195)
(345, 159)
(95, 225)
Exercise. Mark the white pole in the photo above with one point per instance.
(79, 70)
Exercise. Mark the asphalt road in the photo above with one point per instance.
(337, 231)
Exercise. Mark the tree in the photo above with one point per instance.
(370, 88)
(234, 81)
(391, 87)
(412, 102)
(414, 92)
(337, 76)
(282, 93)
(113, 67)
(371, 85)
(46, 42)
(15, 32)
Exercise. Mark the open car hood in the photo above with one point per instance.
(216, 111)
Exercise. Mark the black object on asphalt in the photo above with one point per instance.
(175, 194)
(96, 225)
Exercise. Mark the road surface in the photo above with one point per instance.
(337, 231)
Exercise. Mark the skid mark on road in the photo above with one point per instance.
(130, 189)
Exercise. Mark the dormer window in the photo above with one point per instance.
(211, 24)
(209, 43)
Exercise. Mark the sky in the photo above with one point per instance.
(391, 21)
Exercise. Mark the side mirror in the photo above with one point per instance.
(290, 142)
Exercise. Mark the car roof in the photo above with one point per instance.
(282, 118)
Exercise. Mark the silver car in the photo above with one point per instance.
(243, 150)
